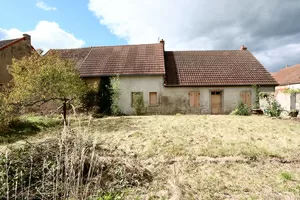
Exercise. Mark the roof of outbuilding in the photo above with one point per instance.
(215, 68)
(3, 43)
(288, 75)
(142, 59)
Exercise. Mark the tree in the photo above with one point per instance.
(38, 79)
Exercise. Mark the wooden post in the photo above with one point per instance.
(65, 111)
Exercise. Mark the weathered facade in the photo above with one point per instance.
(288, 78)
(9, 49)
(199, 82)
(172, 100)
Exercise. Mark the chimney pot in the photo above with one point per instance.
(28, 38)
(243, 47)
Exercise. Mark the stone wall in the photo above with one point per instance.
(18, 50)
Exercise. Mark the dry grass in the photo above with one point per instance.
(210, 156)
(207, 157)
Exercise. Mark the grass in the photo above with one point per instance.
(25, 127)
(208, 157)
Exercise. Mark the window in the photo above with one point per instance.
(194, 99)
(135, 96)
(246, 98)
(153, 98)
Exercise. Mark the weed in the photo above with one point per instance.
(286, 176)
(242, 109)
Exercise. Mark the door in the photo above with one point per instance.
(216, 103)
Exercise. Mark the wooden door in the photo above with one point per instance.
(216, 103)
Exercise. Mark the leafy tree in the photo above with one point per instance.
(39, 79)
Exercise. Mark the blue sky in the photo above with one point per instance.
(270, 28)
(72, 16)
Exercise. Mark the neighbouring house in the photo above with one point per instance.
(288, 78)
(9, 49)
(200, 82)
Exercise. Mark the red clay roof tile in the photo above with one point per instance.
(144, 59)
(288, 75)
(214, 68)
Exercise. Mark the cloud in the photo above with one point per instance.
(266, 27)
(46, 35)
(44, 6)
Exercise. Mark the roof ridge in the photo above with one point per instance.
(93, 47)
(207, 50)
(9, 39)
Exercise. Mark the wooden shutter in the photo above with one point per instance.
(246, 98)
(194, 99)
(152, 98)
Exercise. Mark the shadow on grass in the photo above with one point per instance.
(23, 128)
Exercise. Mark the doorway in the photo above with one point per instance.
(216, 103)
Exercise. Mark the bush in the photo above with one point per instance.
(294, 113)
(274, 108)
(89, 100)
(115, 95)
(7, 112)
(242, 109)
(105, 93)
(138, 103)
(71, 166)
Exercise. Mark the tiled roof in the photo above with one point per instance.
(143, 59)
(215, 68)
(288, 75)
(76, 55)
(3, 43)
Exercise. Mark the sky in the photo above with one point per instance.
(270, 29)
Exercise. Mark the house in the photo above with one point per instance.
(200, 82)
(9, 49)
(288, 78)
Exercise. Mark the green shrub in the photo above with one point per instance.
(274, 108)
(256, 89)
(89, 100)
(7, 112)
(242, 109)
(105, 93)
(115, 95)
(138, 103)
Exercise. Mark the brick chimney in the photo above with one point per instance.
(243, 47)
(28, 38)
